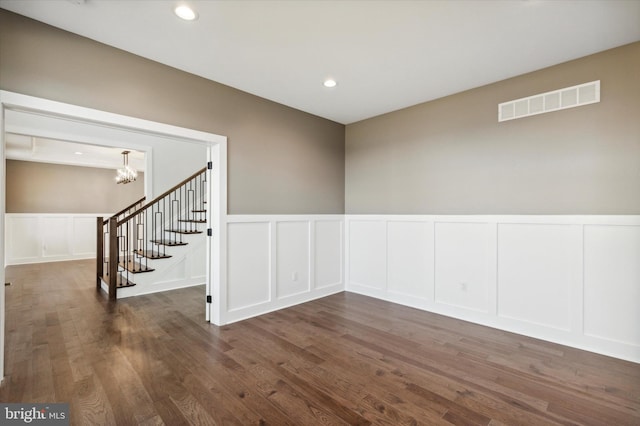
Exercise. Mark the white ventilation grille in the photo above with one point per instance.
(569, 97)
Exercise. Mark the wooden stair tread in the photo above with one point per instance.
(168, 242)
(198, 211)
(151, 254)
(183, 231)
(134, 267)
(121, 281)
(193, 220)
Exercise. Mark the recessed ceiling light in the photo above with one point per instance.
(185, 12)
(330, 83)
(78, 153)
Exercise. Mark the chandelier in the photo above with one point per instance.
(127, 173)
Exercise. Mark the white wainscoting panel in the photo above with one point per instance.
(24, 242)
(249, 264)
(276, 261)
(410, 257)
(329, 253)
(83, 227)
(368, 253)
(35, 238)
(612, 283)
(55, 236)
(573, 280)
(536, 268)
(461, 261)
(292, 258)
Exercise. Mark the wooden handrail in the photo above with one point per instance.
(161, 196)
(125, 209)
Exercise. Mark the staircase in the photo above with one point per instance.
(130, 242)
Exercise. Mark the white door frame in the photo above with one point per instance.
(216, 152)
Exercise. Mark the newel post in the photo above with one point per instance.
(113, 257)
(99, 252)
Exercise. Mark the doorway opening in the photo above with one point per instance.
(166, 150)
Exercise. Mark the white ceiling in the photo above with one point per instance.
(385, 55)
(46, 150)
(49, 139)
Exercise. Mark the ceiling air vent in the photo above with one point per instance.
(569, 97)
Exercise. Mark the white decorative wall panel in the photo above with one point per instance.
(176, 272)
(33, 238)
(55, 238)
(368, 253)
(24, 243)
(292, 258)
(574, 280)
(461, 264)
(329, 253)
(612, 283)
(410, 257)
(198, 264)
(249, 264)
(275, 261)
(83, 227)
(535, 271)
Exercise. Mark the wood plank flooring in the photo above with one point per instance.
(344, 359)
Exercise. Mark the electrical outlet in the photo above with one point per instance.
(294, 276)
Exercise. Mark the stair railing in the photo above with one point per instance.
(145, 232)
(102, 239)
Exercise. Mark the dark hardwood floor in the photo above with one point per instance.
(344, 359)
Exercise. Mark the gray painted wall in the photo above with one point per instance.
(280, 160)
(451, 156)
(54, 188)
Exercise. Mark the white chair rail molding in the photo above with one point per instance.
(573, 280)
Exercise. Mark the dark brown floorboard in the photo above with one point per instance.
(344, 360)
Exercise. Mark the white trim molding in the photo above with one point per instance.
(573, 280)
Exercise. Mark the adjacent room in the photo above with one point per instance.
(355, 212)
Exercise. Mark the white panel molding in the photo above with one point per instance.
(537, 268)
(293, 258)
(410, 269)
(327, 239)
(586, 267)
(42, 237)
(368, 253)
(612, 283)
(249, 270)
(461, 265)
(290, 244)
